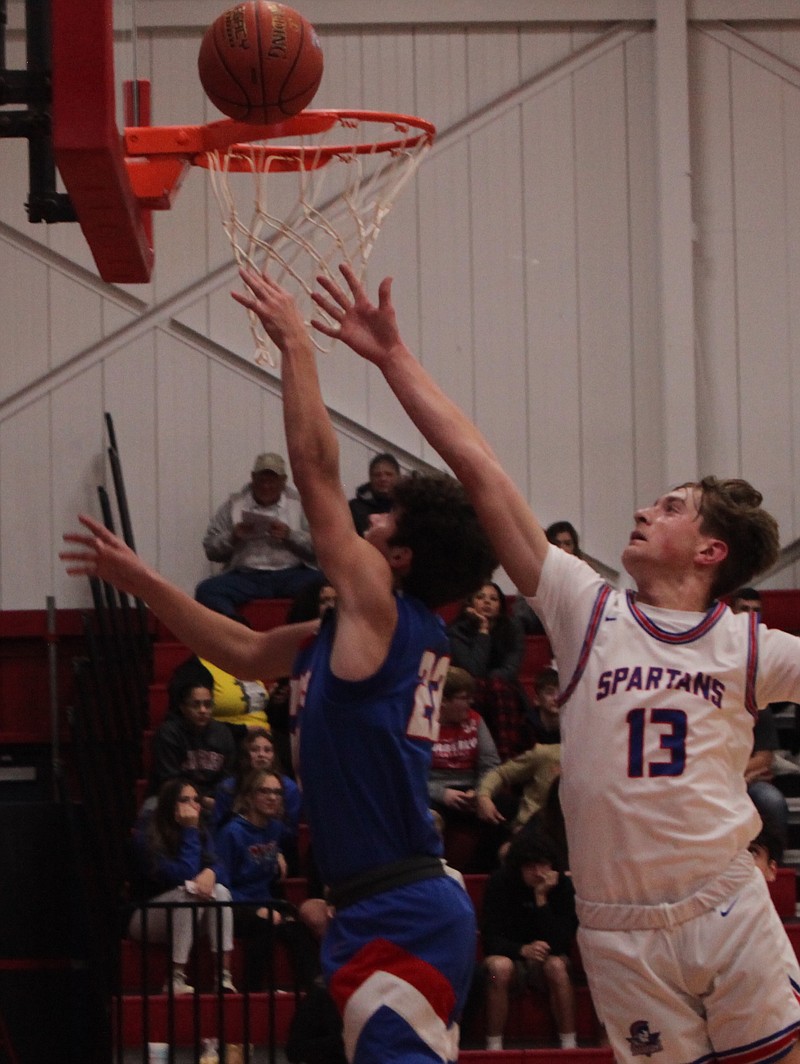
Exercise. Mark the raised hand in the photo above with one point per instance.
(369, 330)
(104, 555)
(274, 307)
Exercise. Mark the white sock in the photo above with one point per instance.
(494, 1041)
(568, 1041)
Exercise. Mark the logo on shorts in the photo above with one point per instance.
(644, 1042)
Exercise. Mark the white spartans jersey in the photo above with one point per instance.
(656, 731)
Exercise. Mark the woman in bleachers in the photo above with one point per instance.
(257, 751)
(490, 644)
(176, 863)
(251, 848)
(190, 743)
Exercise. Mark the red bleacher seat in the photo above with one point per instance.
(235, 1013)
(784, 893)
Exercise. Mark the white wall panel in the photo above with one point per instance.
(24, 354)
(604, 281)
(77, 466)
(183, 497)
(27, 559)
(130, 395)
(761, 257)
(75, 315)
(498, 305)
(551, 296)
(714, 263)
(648, 425)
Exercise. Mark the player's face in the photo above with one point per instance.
(262, 753)
(667, 534)
(198, 707)
(267, 487)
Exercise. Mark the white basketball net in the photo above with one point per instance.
(307, 221)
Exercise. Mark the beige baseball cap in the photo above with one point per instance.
(270, 463)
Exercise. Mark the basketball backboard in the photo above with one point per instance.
(87, 144)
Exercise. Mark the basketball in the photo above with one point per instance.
(260, 62)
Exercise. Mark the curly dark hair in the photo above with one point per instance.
(731, 510)
(451, 554)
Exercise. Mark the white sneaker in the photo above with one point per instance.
(179, 984)
(226, 985)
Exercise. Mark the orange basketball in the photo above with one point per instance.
(260, 62)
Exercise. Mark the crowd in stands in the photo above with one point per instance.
(223, 811)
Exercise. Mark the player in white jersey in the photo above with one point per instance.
(686, 957)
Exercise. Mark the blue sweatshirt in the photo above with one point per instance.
(250, 855)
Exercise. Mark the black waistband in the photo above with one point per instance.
(384, 877)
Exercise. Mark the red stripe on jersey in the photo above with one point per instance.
(380, 955)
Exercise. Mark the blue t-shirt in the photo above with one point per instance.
(250, 856)
(365, 747)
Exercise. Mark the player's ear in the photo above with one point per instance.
(400, 559)
(713, 552)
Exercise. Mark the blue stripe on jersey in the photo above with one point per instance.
(588, 641)
(713, 614)
(752, 666)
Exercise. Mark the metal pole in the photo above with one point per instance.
(52, 663)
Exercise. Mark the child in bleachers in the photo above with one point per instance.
(528, 926)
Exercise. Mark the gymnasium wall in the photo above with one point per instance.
(598, 260)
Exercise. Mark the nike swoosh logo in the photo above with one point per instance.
(724, 912)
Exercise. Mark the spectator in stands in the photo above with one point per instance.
(257, 751)
(375, 496)
(462, 755)
(241, 704)
(561, 534)
(533, 771)
(528, 926)
(765, 796)
(176, 863)
(767, 851)
(489, 644)
(190, 743)
(548, 823)
(260, 537)
(251, 848)
(544, 715)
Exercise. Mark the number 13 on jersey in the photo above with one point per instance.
(424, 720)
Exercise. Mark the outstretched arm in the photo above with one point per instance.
(371, 331)
(366, 609)
(245, 654)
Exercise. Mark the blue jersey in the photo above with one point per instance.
(365, 747)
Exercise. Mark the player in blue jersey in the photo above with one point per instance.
(400, 951)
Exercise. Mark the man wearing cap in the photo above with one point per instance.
(259, 536)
